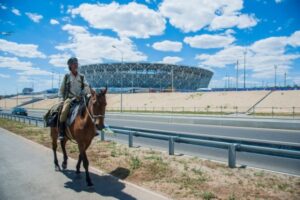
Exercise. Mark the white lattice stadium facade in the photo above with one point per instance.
(146, 75)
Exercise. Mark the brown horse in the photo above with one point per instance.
(83, 130)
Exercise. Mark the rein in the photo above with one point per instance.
(92, 116)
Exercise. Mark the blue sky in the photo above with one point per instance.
(209, 34)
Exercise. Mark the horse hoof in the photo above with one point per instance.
(90, 185)
(57, 168)
(64, 165)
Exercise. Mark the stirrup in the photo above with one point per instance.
(61, 137)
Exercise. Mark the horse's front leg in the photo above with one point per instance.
(78, 165)
(86, 167)
(63, 147)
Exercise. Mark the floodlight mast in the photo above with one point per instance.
(122, 63)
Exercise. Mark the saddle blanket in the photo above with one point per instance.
(52, 115)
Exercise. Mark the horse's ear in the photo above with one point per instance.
(92, 91)
(105, 90)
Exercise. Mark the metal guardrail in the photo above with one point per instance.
(230, 144)
(24, 119)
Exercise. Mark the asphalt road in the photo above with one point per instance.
(165, 123)
(27, 173)
(279, 164)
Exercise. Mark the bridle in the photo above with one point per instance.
(92, 116)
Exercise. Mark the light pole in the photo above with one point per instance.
(245, 53)
(17, 98)
(5, 100)
(52, 79)
(172, 78)
(32, 92)
(284, 79)
(275, 76)
(121, 102)
(237, 75)
(131, 69)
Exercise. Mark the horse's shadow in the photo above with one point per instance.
(104, 185)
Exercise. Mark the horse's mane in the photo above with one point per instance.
(82, 105)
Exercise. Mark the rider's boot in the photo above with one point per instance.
(62, 131)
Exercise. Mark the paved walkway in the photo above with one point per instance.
(27, 172)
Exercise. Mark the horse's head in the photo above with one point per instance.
(97, 107)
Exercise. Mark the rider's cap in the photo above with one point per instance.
(72, 60)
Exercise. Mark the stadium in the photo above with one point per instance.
(156, 76)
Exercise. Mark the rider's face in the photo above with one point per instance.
(74, 68)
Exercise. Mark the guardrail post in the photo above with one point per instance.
(102, 135)
(272, 112)
(293, 112)
(171, 145)
(36, 122)
(130, 139)
(232, 156)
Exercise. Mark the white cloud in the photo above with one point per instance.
(194, 15)
(171, 60)
(206, 41)
(168, 45)
(61, 8)
(278, 1)
(222, 58)
(4, 76)
(54, 22)
(3, 7)
(22, 50)
(16, 11)
(59, 60)
(25, 68)
(34, 17)
(261, 56)
(96, 48)
(226, 21)
(271, 45)
(130, 20)
(35, 71)
(294, 40)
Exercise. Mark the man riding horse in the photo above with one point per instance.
(73, 86)
(86, 123)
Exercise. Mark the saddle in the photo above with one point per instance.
(51, 118)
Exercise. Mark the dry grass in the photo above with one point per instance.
(179, 177)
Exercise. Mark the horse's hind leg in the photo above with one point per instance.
(54, 147)
(63, 147)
